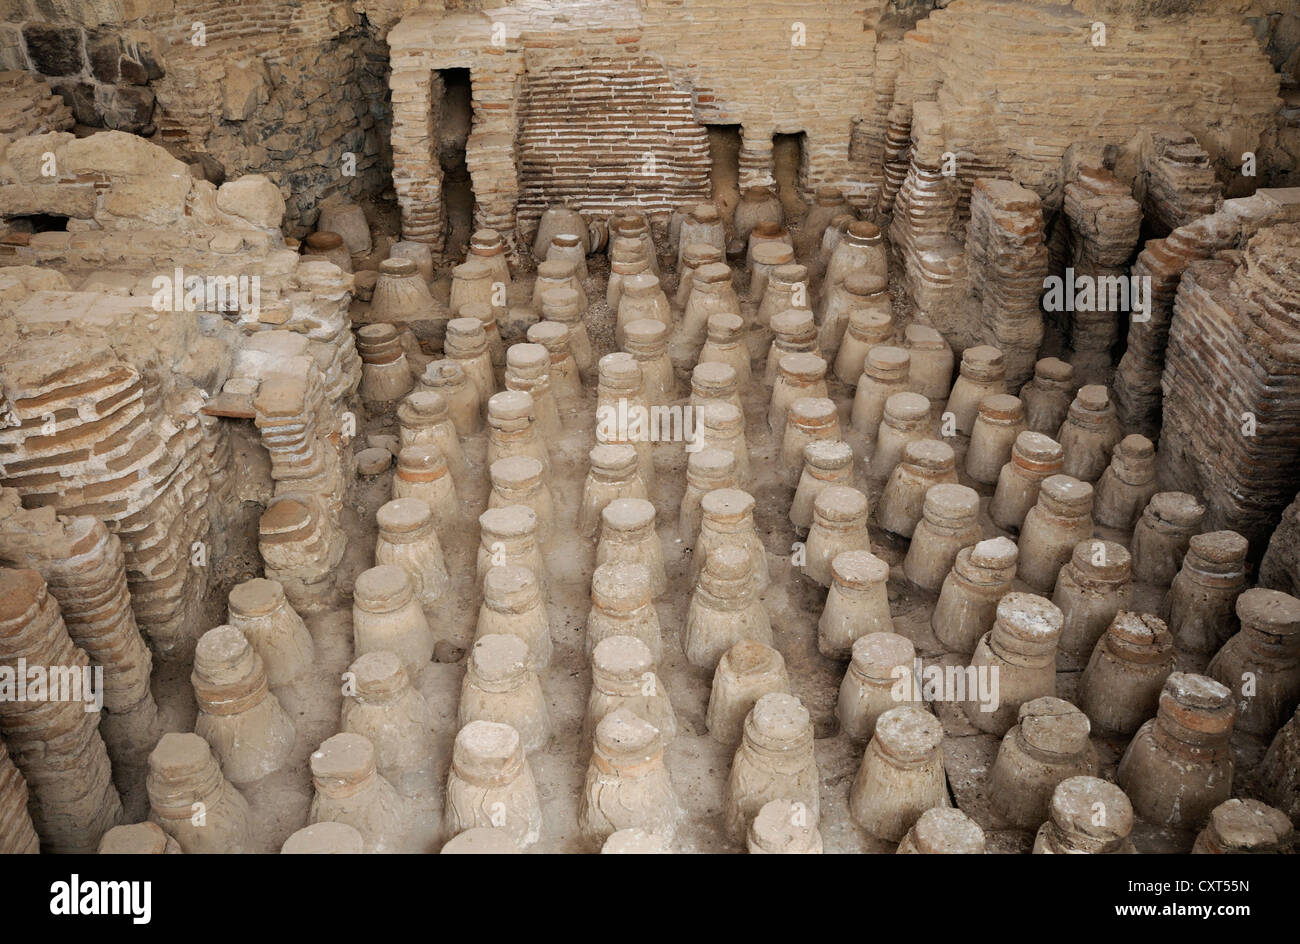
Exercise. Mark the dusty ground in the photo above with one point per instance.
(698, 765)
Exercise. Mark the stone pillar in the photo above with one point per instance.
(1007, 259)
(1177, 184)
(417, 177)
(85, 571)
(1137, 379)
(17, 835)
(933, 263)
(1104, 222)
(1231, 375)
(53, 739)
(1280, 568)
(756, 167)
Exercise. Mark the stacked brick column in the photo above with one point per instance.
(1231, 430)
(85, 570)
(55, 743)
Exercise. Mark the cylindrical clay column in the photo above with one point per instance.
(902, 774)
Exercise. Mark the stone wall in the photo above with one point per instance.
(294, 89)
(1017, 83)
(312, 117)
(132, 207)
(103, 72)
(772, 68)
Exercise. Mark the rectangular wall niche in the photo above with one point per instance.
(453, 120)
(724, 166)
(790, 169)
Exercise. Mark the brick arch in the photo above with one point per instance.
(421, 45)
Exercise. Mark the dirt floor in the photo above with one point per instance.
(698, 765)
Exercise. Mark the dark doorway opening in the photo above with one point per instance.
(453, 121)
(790, 169)
(37, 223)
(724, 175)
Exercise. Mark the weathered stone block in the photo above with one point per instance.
(104, 50)
(80, 97)
(254, 198)
(146, 50)
(244, 91)
(55, 50)
(72, 200)
(126, 107)
(132, 72)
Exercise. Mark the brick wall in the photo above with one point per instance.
(1007, 87)
(1017, 83)
(771, 67)
(775, 67)
(421, 44)
(607, 133)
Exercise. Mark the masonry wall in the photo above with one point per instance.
(789, 67)
(1017, 83)
(311, 117)
(287, 88)
(291, 88)
(605, 133)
